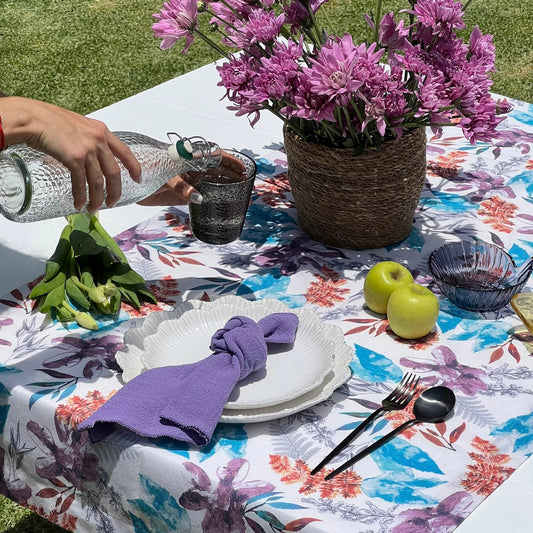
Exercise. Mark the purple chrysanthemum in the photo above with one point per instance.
(308, 104)
(261, 27)
(333, 73)
(335, 89)
(441, 16)
(176, 19)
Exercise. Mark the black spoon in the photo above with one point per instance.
(433, 406)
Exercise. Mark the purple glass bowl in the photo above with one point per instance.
(477, 276)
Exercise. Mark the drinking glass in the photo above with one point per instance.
(219, 219)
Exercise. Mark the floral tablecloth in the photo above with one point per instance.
(255, 477)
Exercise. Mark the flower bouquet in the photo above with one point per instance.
(354, 114)
(416, 72)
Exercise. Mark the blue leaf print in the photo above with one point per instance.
(524, 443)
(268, 223)
(485, 333)
(447, 322)
(374, 367)
(399, 452)
(229, 437)
(268, 495)
(9, 369)
(164, 512)
(4, 393)
(38, 395)
(524, 117)
(525, 178)
(378, 426)
(395, 490)
(520, 427)
(138, 525)
(172, 445)
(349, 427)
(68, 391)
(518, 254)
(284, 505)
(270, 286)
(4, 410)
(450, 203)
(264, 166)
(527, 246)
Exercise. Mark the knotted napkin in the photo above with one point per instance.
(185, 402)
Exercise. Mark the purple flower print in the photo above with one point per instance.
(448, 371)
(11, 486)
(65, 458)
(224, 504)
(99, 353)
(131, 238)
(444, 517)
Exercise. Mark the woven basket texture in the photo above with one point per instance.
(357, 202)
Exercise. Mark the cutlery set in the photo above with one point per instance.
(433, 405)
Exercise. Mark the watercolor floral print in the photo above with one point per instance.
(256, 477)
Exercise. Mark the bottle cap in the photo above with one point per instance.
(196, 151)
(181, 149)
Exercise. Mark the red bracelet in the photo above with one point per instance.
(2, 137)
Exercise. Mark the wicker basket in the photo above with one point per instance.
(357, 202)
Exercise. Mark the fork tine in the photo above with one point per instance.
(399, 389)
(403, 387)
(408, 396)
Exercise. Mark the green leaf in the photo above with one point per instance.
(76, 295)
(110, 258)
(84, 243)
(146, 293)
(128, 278)
(53, 299)
(98, 239)
(45, 287)
(80, 222)
(130, 296)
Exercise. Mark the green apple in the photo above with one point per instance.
(412, 311)
(383, 278)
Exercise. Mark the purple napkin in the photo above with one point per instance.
(185, 402)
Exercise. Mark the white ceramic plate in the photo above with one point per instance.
(183, 336)
(339, 375)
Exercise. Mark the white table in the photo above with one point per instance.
(191, 105)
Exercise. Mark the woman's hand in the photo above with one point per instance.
(85, 146)
(179, 191)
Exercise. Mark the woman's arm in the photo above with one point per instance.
(85, 146)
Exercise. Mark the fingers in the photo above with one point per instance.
(95, 183)
(125, 155)
(175, 192)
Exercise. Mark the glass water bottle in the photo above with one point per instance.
(35, 186)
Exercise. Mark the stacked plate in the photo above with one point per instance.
(295, 377)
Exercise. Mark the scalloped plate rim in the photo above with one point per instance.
(135, 342)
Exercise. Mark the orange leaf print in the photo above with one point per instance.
(77, 409)
(448, 165)
(280, 463)
(496, 354)
(487, 472)
(498, 213)
(456, 433)
(514, 352)
(346, 485)
(326, 292)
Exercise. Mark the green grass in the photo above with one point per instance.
(86, 54)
